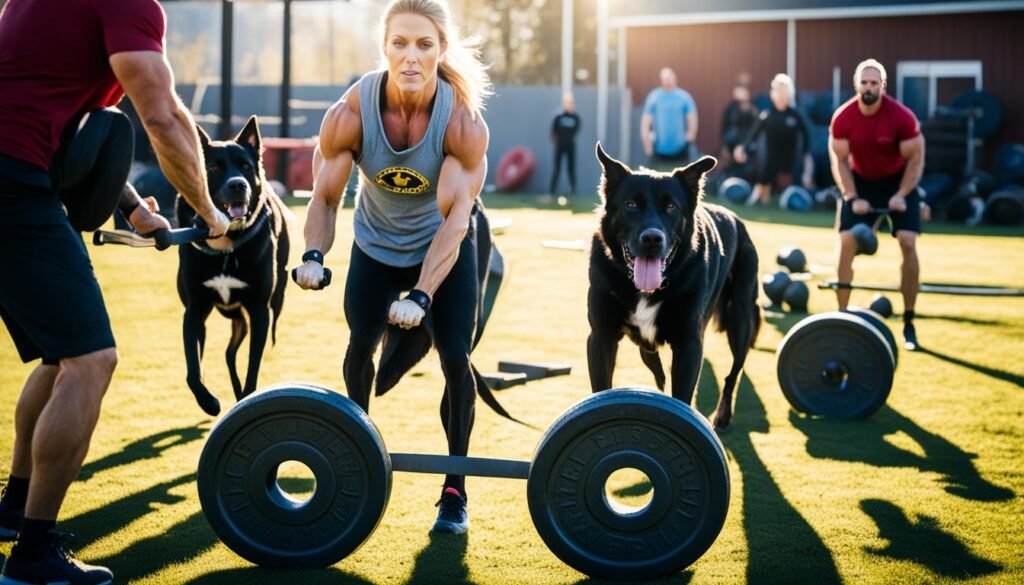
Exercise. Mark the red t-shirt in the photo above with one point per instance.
(54, 62)
(875, 139)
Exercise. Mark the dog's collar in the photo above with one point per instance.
(248, 234)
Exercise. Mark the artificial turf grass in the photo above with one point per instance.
(928, 489)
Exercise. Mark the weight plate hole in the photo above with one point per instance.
(292, 484)
(628, 491)
(836, 374)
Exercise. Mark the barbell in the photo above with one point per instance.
(838, 364)
(665, 439)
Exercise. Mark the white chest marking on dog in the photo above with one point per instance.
(223, 285)
(643, 319)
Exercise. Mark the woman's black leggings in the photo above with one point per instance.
(371, 288)
(567, 151)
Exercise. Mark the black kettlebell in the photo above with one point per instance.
(867, 241)
(796, 296)
(881, 305)
(792, 258)
(775, 286)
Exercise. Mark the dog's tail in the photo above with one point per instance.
(738, 301)
(488, 397)
(281, 216)
(402, 349)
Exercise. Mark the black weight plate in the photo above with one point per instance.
(1005, 207)
(848, 341)
(329, 434)
(629, 428)
(991, 109)
(878, 321)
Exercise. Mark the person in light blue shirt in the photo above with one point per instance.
(668, 126)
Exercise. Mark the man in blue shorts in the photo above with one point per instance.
(668, 127)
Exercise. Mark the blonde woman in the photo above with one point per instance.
(782, 125)
(415, 131)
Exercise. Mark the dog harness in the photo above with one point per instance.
(396, 213)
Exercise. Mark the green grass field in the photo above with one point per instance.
(927, 490)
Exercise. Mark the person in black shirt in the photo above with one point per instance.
(782, 125)
(563, 134)
(737, 120)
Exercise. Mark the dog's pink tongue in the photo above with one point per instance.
(647, 273)
(236, 210)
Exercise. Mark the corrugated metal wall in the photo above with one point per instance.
(995, 39)
(707, 59)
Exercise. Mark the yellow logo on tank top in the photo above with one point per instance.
(402, 180)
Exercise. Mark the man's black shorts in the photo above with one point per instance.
(49, 298)
(877, 193)
(667, 163)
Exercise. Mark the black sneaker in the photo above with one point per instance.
(910, 337)
(10, 522)
(451, 513)
(53, 565)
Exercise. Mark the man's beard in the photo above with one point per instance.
(869, 98)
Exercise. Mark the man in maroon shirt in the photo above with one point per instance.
(877, 153)
(59, 58)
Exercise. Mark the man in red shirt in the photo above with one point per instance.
(59, 58)
(877, 153)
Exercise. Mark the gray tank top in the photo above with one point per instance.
(396, 213)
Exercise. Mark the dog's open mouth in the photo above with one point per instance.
(236, 209)
(647, 272)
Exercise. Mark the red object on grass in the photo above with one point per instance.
(515, 168)
(299, 171)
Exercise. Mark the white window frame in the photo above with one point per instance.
(935, 70)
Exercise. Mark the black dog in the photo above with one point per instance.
(662, 263)
(246, 277)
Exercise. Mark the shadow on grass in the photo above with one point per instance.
(258, 576)
(783, 321)
(958, 319)
(150, 447)
(922, 541)
(682, 578)
(1010, 377)
(864, 441)
(96, 524)
(178, 544)
(183, 541)
(443, 560)
(640, 488)
(768, 518)
(783, 547)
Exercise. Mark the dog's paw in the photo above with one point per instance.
(207, 402)
(722, 419)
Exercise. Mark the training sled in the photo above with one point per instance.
(516, 373)
(667, 440)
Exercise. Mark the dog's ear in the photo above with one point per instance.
(250, 135)
(692, 175)
(614, 171)
(204, 138)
